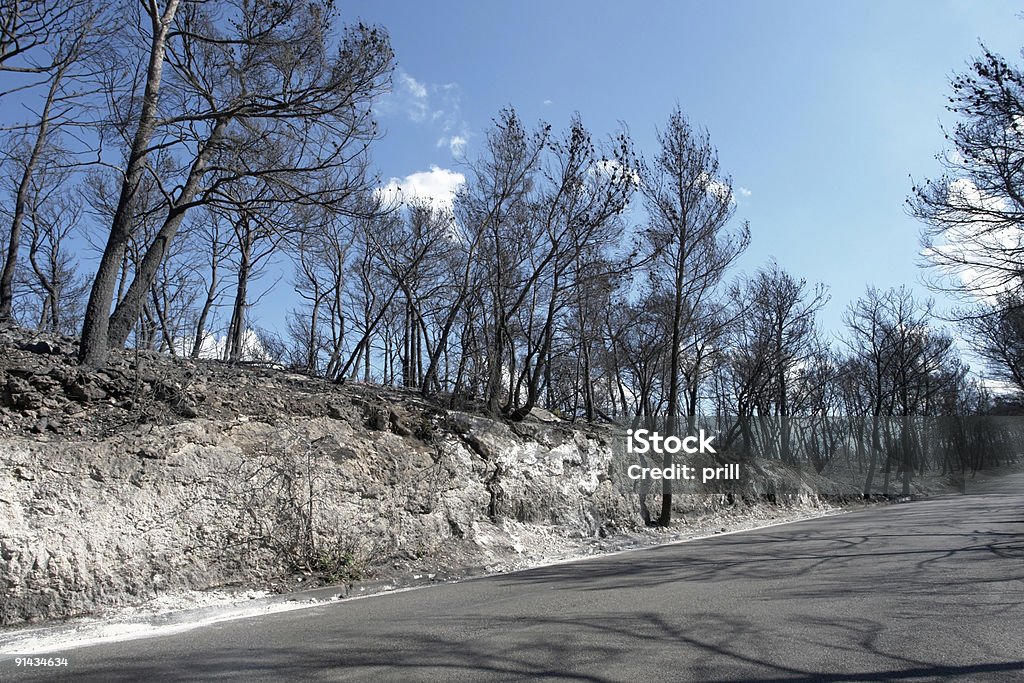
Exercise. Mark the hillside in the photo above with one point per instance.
(159, 475)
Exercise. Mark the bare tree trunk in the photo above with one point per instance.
(160, 309)
(665, 517)
(314, 320)
(127, 311)
(909, 444)
(236, 330)
(48, 316)
(95, 344)
(211, 296)
(22, 197)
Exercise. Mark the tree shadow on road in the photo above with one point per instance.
(859, 598)
(623, 646)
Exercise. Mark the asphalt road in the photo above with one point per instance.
(927, 590)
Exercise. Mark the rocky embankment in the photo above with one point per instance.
(158, 474)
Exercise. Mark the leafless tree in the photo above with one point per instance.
(973, 214)
(94, 343)
(689, 204)
(494, 208)
(210, 244)
(60, 289)
(576, 208)
(774, 338)
(996, 332)
(66, 36)
(252, 90)
(537, 212)
(27, 27)
(260, 224)
(902, 363)
(318, 326)
(383, 277)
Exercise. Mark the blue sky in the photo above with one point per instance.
(821, 111)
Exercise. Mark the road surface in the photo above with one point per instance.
(927, 590)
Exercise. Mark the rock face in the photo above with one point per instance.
(156, 474)
(370, 485)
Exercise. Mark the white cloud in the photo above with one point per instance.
(744, 192)
(547, 103)
(611, 167)
(456, 144)
(408, 97)
(720, 190)
(215, 348)
(980, 252)
(437, 186)
(416, 96)
(415, 88)
(436, 107)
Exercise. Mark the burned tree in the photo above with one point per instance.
(236, 91)
(690, 247)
